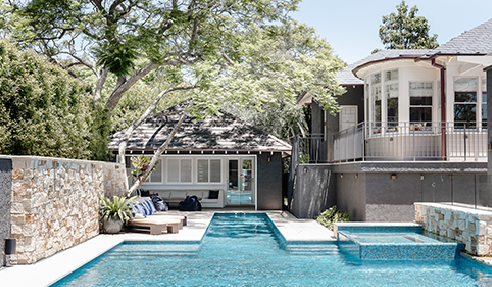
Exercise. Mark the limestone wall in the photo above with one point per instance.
(55, 202)
(471, 226)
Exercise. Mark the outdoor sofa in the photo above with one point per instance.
(207, 198)
(146, 216)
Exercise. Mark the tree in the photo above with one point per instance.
(405, 30)
(43, 110)
(223, 52)
(278, 63)
(131, 38)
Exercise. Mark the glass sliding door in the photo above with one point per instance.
(247, 182)
(241, 182)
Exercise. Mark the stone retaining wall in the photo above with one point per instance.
(55, 202)
(471, 226)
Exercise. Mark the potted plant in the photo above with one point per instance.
(331, 216)
(115, 213)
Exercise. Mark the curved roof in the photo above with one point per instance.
(477, 41)
(387, 55)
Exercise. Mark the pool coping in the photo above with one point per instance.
(49, 270)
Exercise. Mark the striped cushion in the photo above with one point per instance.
(145, 207)
(149, 206)
(138, 208)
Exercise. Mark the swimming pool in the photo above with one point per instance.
(244, 250)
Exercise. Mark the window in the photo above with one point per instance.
(366, 98)
(465, 101)
(376, 94)
(391, 91)
(421, 94)
(156, 175)
(179, 170)
(348, 117)
(391, 75)
(484, 102)
(208, 170)
(376, 79)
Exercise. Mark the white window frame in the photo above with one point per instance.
(391, 86)
(180, 159)
(483, 93)
(480, 90)
(340, 117)
(432, 95)
(376, 92)
(209, 169)
(130, 168)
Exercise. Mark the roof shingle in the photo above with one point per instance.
(475, 41)
(220, 133)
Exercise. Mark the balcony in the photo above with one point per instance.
(397, 142)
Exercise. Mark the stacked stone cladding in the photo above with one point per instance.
(470, 226)
(55, 202)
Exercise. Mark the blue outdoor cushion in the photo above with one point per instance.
(145, 207)
(138, 208)
(148, 207)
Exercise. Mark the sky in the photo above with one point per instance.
(352, 26)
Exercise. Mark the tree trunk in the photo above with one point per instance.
(156, 156)
(100, 84)
(128, 133)
(121, 89)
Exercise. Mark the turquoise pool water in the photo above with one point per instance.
(243, 250)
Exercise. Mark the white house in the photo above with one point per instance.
(412, 127)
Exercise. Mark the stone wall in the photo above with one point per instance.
(55, 202)
(470, 226)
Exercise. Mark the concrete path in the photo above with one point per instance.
(49, 270)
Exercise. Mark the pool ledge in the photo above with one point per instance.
(484, 260)
(295, 230)
(367, 225)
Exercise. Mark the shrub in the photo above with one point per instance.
(332, 215)
(46, 112)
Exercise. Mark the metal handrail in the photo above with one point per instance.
(401, 141)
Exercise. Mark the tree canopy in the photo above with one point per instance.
(406, 30)
(44, 111)
(129, 39)
(228, 50)
(243, 54)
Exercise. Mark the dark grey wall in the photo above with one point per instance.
(351, 194)
(377, 197)
(317, 119)
(489, 118)
(315, 190)
(381, 189)
(5, 203)
(436, 188)
(367, 191)
(269, 181)
(354, 97)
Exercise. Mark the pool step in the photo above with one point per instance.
(144, 250)
(312, 248)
